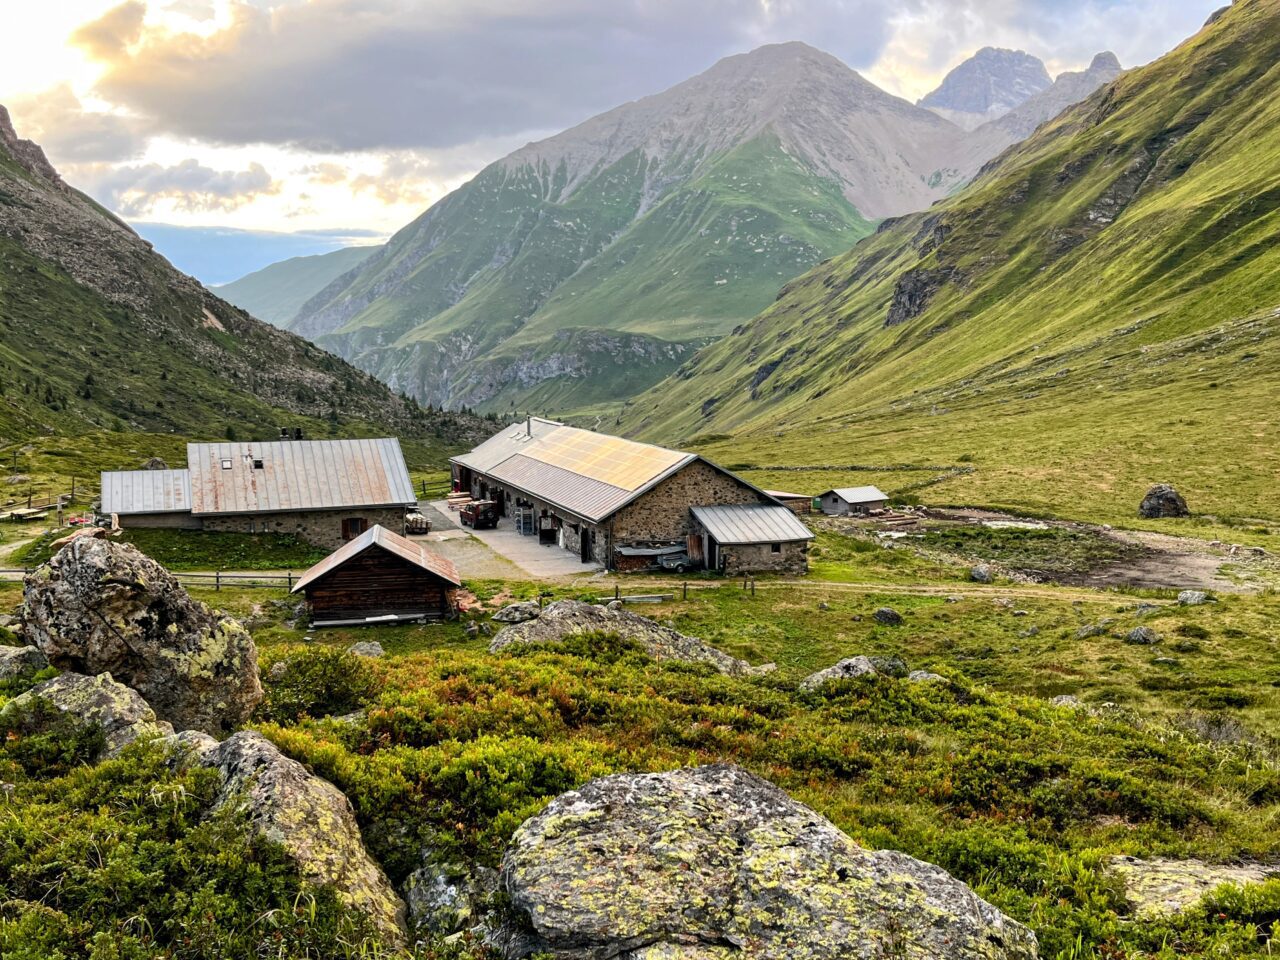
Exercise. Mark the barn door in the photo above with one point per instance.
(693, 546)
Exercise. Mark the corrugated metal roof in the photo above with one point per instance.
(859, 494)
(379, 536)
(586, 473)
(743, 523)
(297, 475)
(781, 495)
(146, 491)
(506, 443)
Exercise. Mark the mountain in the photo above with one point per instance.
(100, 332)
(617, 248)
(987, 86)
(1097, 311)
(276, 293)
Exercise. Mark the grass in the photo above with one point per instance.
(201, 550)
(1053, 553)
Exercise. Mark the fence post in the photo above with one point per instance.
(753, 586)
(217, 580)
(290, 587)
(686, 591)
(617, 592)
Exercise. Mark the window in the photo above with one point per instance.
(352, 527)
(775, 547)
(257, 464)
(226, 464)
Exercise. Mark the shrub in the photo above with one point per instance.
(318, 683)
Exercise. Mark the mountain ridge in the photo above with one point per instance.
(986, 86)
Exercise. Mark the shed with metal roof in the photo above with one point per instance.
(149, 498)
(380, 577)
(853, 500)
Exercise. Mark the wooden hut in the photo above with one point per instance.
(380, 577)
(801, 504)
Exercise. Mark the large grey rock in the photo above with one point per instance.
(982, 573)
(1161, 888)
(102, 606)
(888, 616)
(21, 663)
(445, 898)
(1162, 500)
(1141, 637)
(367, 648)
(569, 618)
(1192, 598)
(310, 817)
(716, 862)
(860, 666)
(119, 713)
(521, 612)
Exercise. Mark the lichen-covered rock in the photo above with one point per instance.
(102, 606)
(120, 714)
(519, 612)
(445, 898)
(924, 676)
(1192, 598)
(1161, 888)
(859, 666)
(716, 862)
(367, 648)
(310, 817)
(1163, 500)
(1141, 637)
(569, 618)
(982, 573)
(21, 663)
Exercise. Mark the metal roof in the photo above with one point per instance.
(782, 495)
(297, 475)
(859, 494)
(146, 491)
(393, 543)
(743, 523)
(589, 474)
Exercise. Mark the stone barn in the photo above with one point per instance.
(326, 492)
(611, 501)
(853, 500)
(380, 577)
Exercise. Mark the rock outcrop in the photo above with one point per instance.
(714, 862)
(1161, 501)
(101, 606)
(367, 648)
(308, 816)
(21, 663)
(860, 666)
(119, 713)
(520, 612)
(1161, 888)
(445, 898)
(569, 618)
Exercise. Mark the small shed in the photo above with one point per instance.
(853, 500)
(801, 504)
(752, 538)
(380, 577)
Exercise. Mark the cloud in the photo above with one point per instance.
(189, 186)
(110, 35)
(58, 121)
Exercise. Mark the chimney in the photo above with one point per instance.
(297, 433)
(284, 433)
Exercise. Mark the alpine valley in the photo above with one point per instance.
(587, 267)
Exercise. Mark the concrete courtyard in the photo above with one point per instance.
(499, 553)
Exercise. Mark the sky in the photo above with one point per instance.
(309, 124)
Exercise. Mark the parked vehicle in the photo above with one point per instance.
(479, 514)
(679, 562)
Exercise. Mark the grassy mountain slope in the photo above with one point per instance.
(1099, 310)
(101, 333)
(275, 293)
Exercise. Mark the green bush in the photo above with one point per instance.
(317, 683)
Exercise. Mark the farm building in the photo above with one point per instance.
(621, 503)
(326, 492)
(853, 500)
(380, 577)
(800, 504)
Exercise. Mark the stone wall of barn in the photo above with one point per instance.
(320, 527)
(792, 558)
(158, 521)
(663, 512)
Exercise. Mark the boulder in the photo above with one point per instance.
(21, 663)
(569, 618)
(117, 711)
(888, 616)
(1192, 598)
(367, 648)
(310, 817)
(716, 862)
(982, 573)
(1141, 637)
(1161, 888)
(859, 666)
(924, 676)
(519, 612)
(101, 606)
(1066, 700)
(95, 533)
(1163, 500)
(1099, 629)
(445, 898)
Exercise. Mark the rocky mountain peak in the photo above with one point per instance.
(26, 153)
(1106, 61)
(988, 85)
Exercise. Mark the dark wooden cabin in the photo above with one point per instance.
(380, 577)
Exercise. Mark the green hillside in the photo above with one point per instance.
(275, 293)
(1098, 311)
(101, 335)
